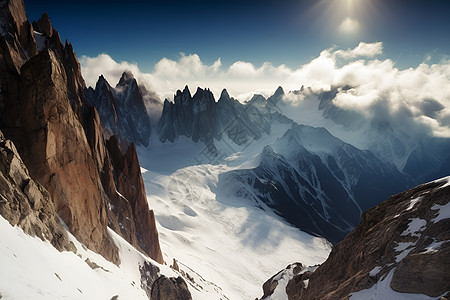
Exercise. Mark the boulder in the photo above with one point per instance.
(170, 289)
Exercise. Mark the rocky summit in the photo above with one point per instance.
(123, 110)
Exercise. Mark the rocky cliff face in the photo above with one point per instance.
(25, 202)
(60, 138)
(53, 145)
(122, 109)
(402, 246)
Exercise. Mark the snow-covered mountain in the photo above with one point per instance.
(315, 181)
(123, 109)
(309, 177)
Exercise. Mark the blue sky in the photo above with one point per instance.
(280, 32)
(394, 54)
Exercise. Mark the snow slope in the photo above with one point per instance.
(224, 240)
(34, 269)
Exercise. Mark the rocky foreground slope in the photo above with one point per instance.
(401, 246)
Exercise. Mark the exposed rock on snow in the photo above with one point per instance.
(149, 274)
(53, 146)
(170, 289)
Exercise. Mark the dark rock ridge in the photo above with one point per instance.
(60, 139)
(170, 289)
(404, 243)
(201, 118)
(122, 109)
(315, 181)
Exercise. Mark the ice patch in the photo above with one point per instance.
(404, 249)
(443, 212)
(375, 271)
(306, 283)
(414, 227)
(40, 40)
(434, 246)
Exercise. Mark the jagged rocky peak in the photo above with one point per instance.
(17, 33)
(400, 246)
(122, 109)
(203, 98)
(201, 118)
(44, 25)
(279, 91)
(224, 95)
(258, 100)
(225, 99)
(13, 16)
(102, 83)
(182, 96)
(276, 98)
(126, 78)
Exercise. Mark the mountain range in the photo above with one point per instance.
(238, 188)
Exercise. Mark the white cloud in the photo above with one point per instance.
(377, 89)
(362, 50)
(349, 25)
(243, 69)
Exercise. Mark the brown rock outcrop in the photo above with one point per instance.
(170, 289)
(25, 202)
(402, 236)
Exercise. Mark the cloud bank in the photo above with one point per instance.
(375, 88)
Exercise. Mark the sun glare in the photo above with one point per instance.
(348, 18)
